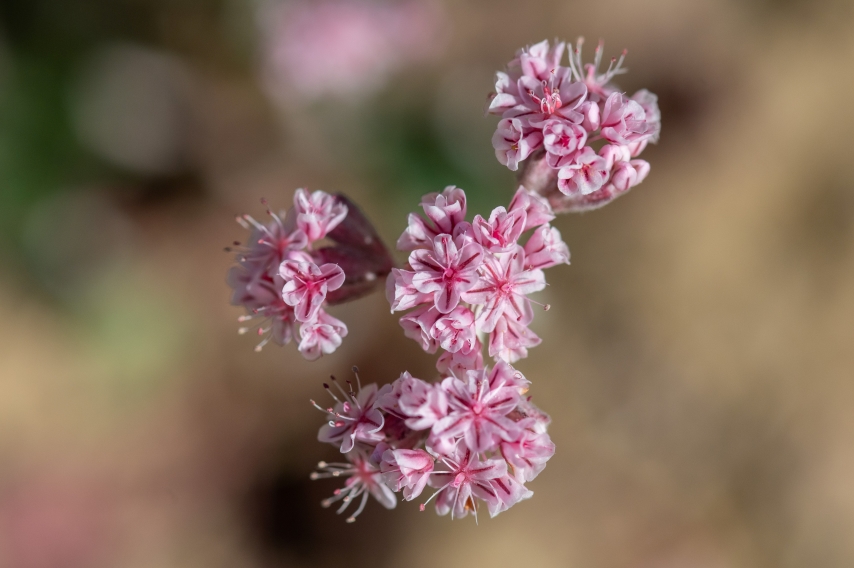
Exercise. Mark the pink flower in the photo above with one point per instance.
(321, 336)
(455, 331)
(457, 364)
(467, 477)
(503, 287)
(562, 138)
(583, 174)
(422, 404)
(270, 244)
(446, 272)
(306, 286)
(418, 325)
(623, 120)
(408, 470)
(478, 408)
(400, 292)
(363, 479)
(529, 453)
(510, 340)
(260, 294)
(501, 232)
(512, 144)
(537, 209)
(355, 417)
(597, 83)
(649, 102)
(317, 213)
(545, 248)
(445, 212)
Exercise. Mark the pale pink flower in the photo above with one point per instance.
(455, 331)
(421, 403)
(406, 469)
(503, 288)
(468, 477)
(649, 102)
(536, 61)
(355, 417)
(478, 408)
(562, 138)
(583, 174)
(557, 97)
(306, 286)
(321, 336)
(418, 324)
(502, 231)
(445, 271)
(270, 244)
(457, 364)
(545, 248)
(598, 84)
(363, 479)
(511, 339)
(529, 453)
(260, 295)
(445, 212)
(512, 144)
(536, 207)
(623, 120)
(317, 213)
(400, 292)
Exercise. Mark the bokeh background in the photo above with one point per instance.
(697, 359)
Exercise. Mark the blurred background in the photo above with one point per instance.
(694, 360)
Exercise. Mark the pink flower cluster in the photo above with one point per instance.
(473, 437)
(469, 282)
(576, 121)
(282, 280)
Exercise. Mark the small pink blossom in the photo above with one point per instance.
(422, 404)
(623, 120)
(503, 289)
(445, 211)
(321, 336)
(455, 331)
(512, 144)
(355, 417)
(598, 84)
(545, 248)
(445, 271)
(418, 325)
(501, 232)
(529, 453)
(306, 286)
(457, 364)
(400, 292)
(510, 340)
(363, 479)
(317, 213)
(537, 209)
(468, 477)
(562, 138)
(408, 470)
(583, 175)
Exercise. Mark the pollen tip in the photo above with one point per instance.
(314, 476)
(355, 369)
(351, 519)
(321, 464)
(421, 507)
(547, 307)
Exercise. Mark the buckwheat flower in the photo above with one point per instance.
(536, 61)
(455, 331)
(422, 404)
(446, 271)
(583, 175)
(537, 209)
(408, 470)
(598, 84)
(317, 213)
(562, 138)
(510, 340)
(400, 292)
(459, 363)
(503, 288)
(260, 295)
(506, 492)
(445, 211)
(355, 417)
(468, 477)
(363, 479)
(529, 453)
(306, 286)
(623, 120)
(512, 144)
(270, 244)
(501, 231)
(478, 408)
(321, 336)
(649, 102)
(628, 174)
(418, 324)
(545, 248)
(557, 97)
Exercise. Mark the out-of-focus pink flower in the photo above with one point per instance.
(355, 417)
(623, 120)
(510, 340)
(446, 271)
(512, 144)
(536, 207)
(321, 336)
(317, 213)
(458, 364)
(408, 470)
(445, 212)
(363, 479)
(528, 453)
(545, 248)
(345, 48)
(306, 285)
